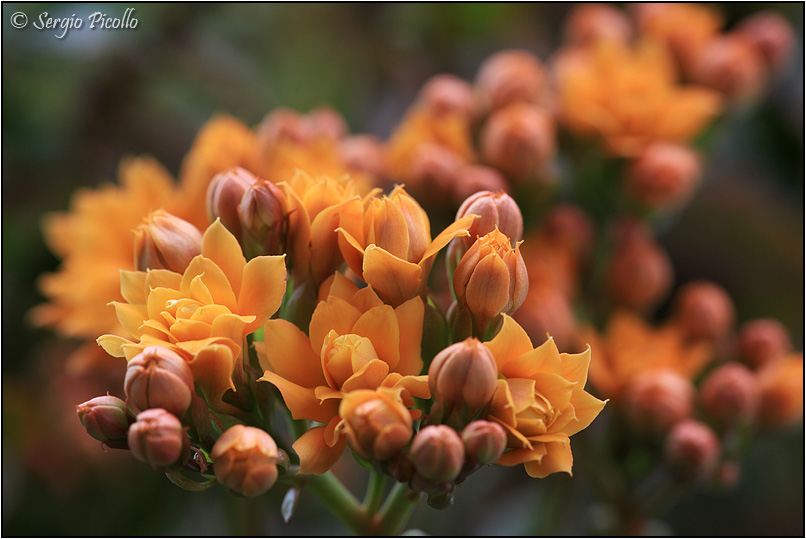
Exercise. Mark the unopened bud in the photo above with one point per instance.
(435, 167)
(704, 310)
(640, 274)
(664, 174)
(519, 140)
(363, 153)
(547, 311)
(437, 453)
(730, 394)
(106, 418)
(245, 460)
(571, 227)
(462, 381)
(495, 210)
(158, 438)
(731, 65)
(762, 341)
(224, 195)
(264, 218)
(376, 423)
(159, 378)
(510, 76)
(447, 94)
(692, 450)
(326, 123)
(658, 399)
(484, 441)
(782, 391)
(771, 34)
(164, 241)
(589, 23)
(475, 178)
(399, 225)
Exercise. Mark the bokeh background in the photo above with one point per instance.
(73, 107)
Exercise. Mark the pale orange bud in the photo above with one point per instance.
(658, 399)
(771, 34)
(519, 140)
(363, 153)
(491, 277)
(159, 378)
(484, 441)
(157, 438)
(435, 167)
(547, 311)
(692, 450)
(376, 423)
(106, 418)
(264, 219)
(731, 65)
(224, 196)
(782, 391)
(397, 224)
(510, 76)
(663, 174)
(495, 210)
(325, 122)
(570, 226)
(437, 454)
(704, 310)
(245, 460)
(462, 381)
(589, 23)
(475, 178)
(640, 274)
(164, 241)
(280, 125)
(344, 355)
(730, 394)
(762, 341)
(448, 94)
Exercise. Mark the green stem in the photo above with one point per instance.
(372, 501)
(397, 509)
(339, 500)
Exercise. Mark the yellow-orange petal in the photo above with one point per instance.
(315, 456)
(299, 229)
(302, 401)
(287, 351)
(410, 321)
(326, 254)
(555, 388)
(190, 330)
(510, 342)
(575, 366)
(370, 376)
(586, 408)
(558, 458)
(133, 286)
(380, 326)
(457, 228)
(514, 457)
(230, 326)
(487, 291)
(544, 358)
(501, 405)
(212, 368)
(162, 278)
(112, 344)
(395, 280)
(131, 317)
(522, 392)
(335, 314)
(352, 251)
(214, 280)
(262, 289)
(220, 246)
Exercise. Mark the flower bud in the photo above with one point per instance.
(762, 341)
(435, 167)
(495, 210)
(437, 453)
(571, 227)
(730, 394)
(771, 35)
(782, 391)
(519, 140)
(484, 441)
(491, 277)
(704, 310)
(663, 174)
(510, 76)
(462, 381)
(547, 311)
(448, 94)
(589, 23)
(224, 194)
(376, 423)
(343, 355)
(245, 460)
(692, 450)
(325, 123)
(658, 399)
(264, 218)
(640, 274)
(106, 418)
(164, 241)
(363, 153)
(731, 65)
(157, 438)
(475, 178)
(397, 224)
(159, 378)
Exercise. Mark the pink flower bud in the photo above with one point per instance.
(363, 153)
(475, 178)
(568, 225)
(462, 381)
(762, 341)
(495, 210)
(164, 241)
(772, 36)
(484, 441)
(158, 377)
(447, 94)
(377, 425)
(435, 167)
(589, 23)
(264, 219)
(224, 194)
(326, 123)
(730, 394)
(519, 140)
(663, 174)
(106, 418)
(157, 438)
(245, 460)
(732, 65)
(510, 76)
(692, 449)
(658, 399)
(437, 453)
(640, 274)
(704, 310)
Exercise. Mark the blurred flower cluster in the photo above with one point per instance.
(285, 299)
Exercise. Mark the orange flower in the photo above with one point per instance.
(356, 342)
(628, 97)
(781, 384)
(631, 347)
(205, 313)
(390, 246)
(540, 401)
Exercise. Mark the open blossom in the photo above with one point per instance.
(539, 400)
(355, 342)
(204, 313)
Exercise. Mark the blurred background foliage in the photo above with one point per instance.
(73, 107)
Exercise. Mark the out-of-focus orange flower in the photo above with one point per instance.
(511, 76)
(390, 245)
(631, 347)
(628, 97)
(588, 23)
(540, 400)
(732, 65)
(205, 313)
(355, 342)
(782, 391)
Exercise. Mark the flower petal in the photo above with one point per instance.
(287, 351)
(410, 321)
(395, 280)
(212, 368)
(302, 401)
(575, 366)
(220, 246)
(315, 455)
(133, 286)
(510, 342)
(457, 228)
(586, 408)
(558, 458)
(131, 317)
(262, 289)
(335, 314)
(370, 376)
(380, 326)
(112, 344)
(214, 280)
